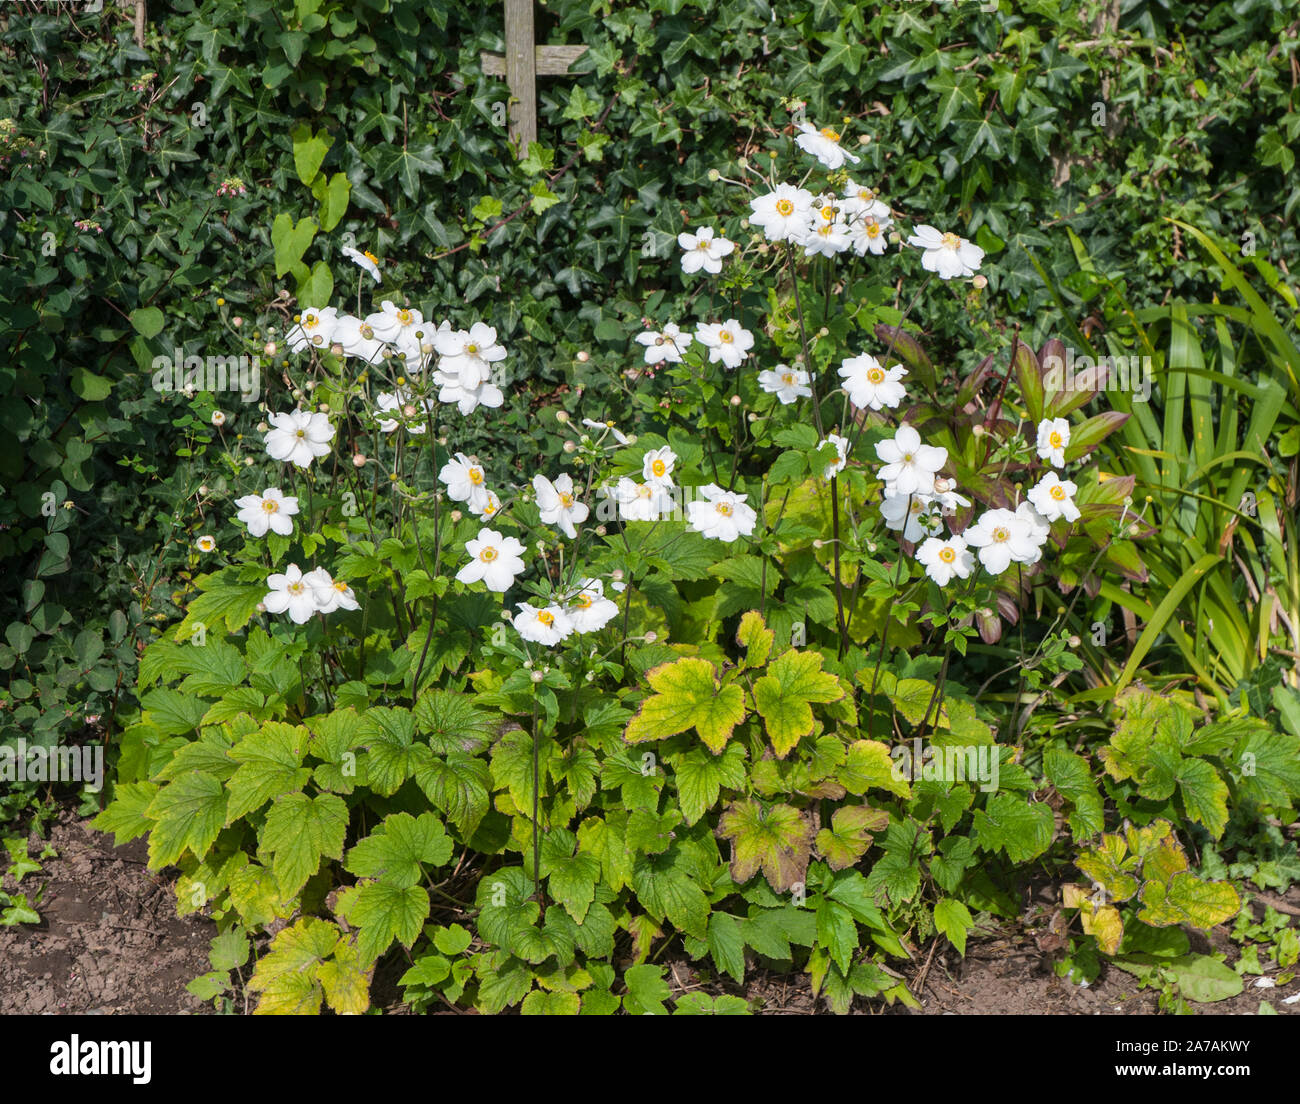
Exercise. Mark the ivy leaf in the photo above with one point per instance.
(774, 840)
(299, 832)
(395, 851)
(701, 776)
(687, 694)
(784, 697)
(384, 911)
(850, 834)
(189, 813)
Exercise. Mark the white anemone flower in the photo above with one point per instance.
(786, 383)
(364, 259)
(1053, 497)
(946, 255)
(465, 481)
(272, 510)
(589, 610)
(641, 501)
(721, 515)
(314, 328)
(727, 342)
(824, 145)
(666, 345)
(910, 466)
(489, 509)
(870, 386)
(391, 321)
(945, 560)
(911, 514)
(291, 593)
(702, 250)
(357, 338)
(1053, 440)
(559, 504)
(842, 456)
(494, 559)
(859, 200)
(657, 468)
(298, 436)
(467, 399)
(330, 593)
(608, 427)
(1002, 537)
(782, 215)
(869, 234)
(546, 626)
(1039, 529)
(468, 354)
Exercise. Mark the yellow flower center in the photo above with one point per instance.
(488, 554)
(404, 317)
(828, 213)
(370, 257)
(1001, 533)
(866, 195)
(908, 458)
(788, 379)
(951, 241)
(340, 586)
(947, 554)
(489, 509)
(301, 433)
(270, 505)
(1054, 439)
(784, 207)
(723, 508)
(873, 229)
(547, 619)
(476, 476)
(725, 337)
(566, 500)
(310, 321)
(875, 375)
(583, 601)
(830, 134)
(1058, 493)
(471, 349)
(295, 588)
(658, 467)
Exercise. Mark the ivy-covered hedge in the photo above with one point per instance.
(121, 245)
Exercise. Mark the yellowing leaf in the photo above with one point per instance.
(687, 694)
(784, 697)
(850, 834)
(1188, 900)
(868, 765)
(287, 976)
(774, 840)
(756, 638)
(346, 979)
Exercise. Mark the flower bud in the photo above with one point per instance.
(537, 676)
(561, 415)
(269, 348)
(359, 460)
(583, 356)
(236, 321)
(977, 430)
(651, 637)
(714, 176)
(980, 280)
(324, 408)
(456, 515)
(735, 400)
(569, 446)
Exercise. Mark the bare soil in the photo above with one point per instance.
(110, 943)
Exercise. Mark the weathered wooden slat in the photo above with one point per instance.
(521, 71)
(549, 61)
